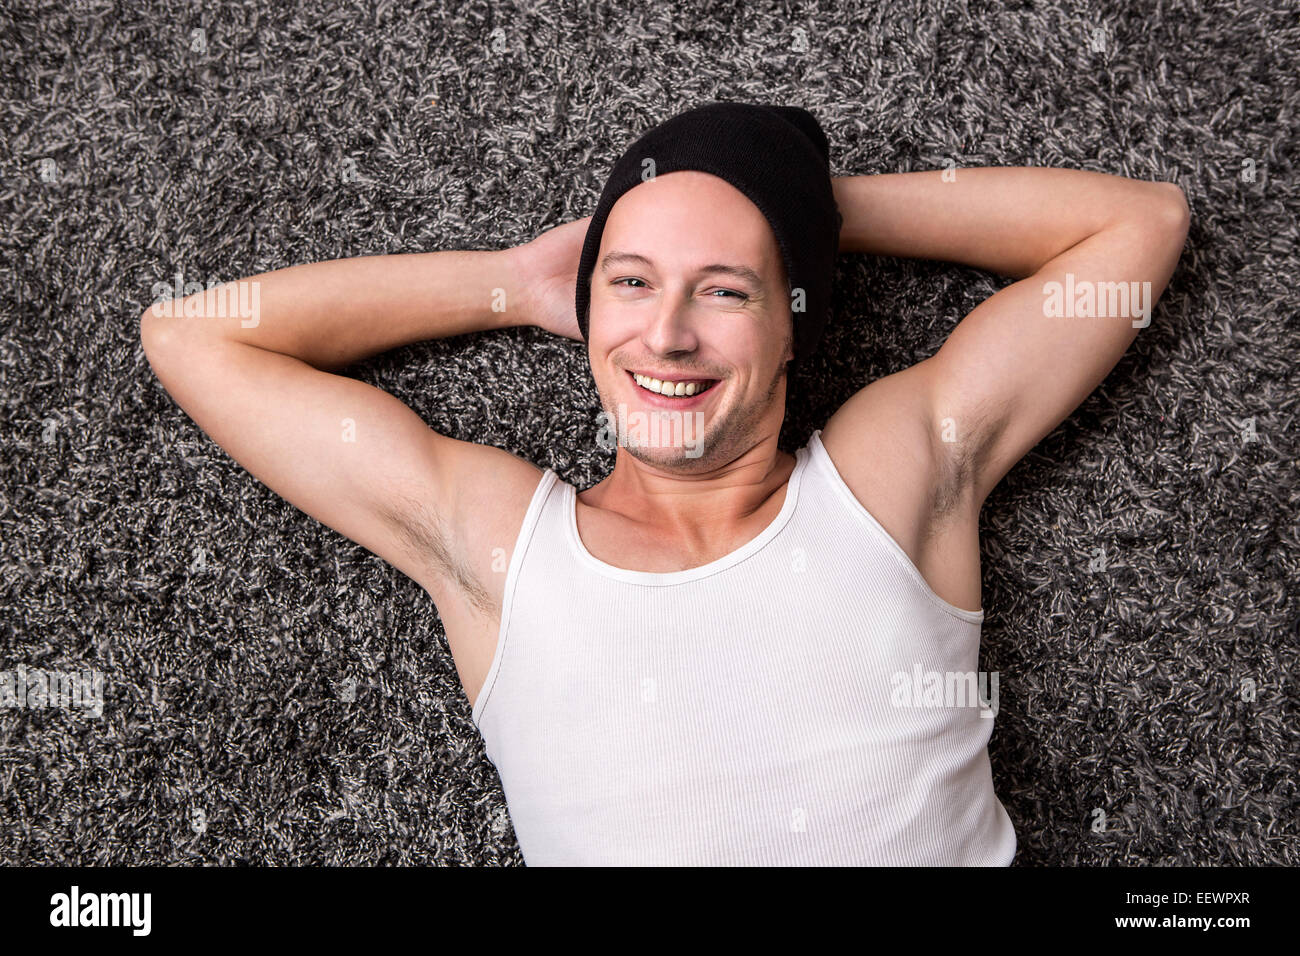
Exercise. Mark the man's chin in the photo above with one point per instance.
(685, 460)
(662, 438)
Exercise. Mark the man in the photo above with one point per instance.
(721, 653)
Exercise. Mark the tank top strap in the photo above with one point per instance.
(544, 500)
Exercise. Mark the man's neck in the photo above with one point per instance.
(697, 508)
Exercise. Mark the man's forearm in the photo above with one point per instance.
(1008, 220)
(331, 314)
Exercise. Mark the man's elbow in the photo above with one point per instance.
(1170, 210)
(158, 335)
(152, 331)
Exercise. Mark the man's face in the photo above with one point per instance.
(689, 287)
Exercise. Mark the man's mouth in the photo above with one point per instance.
(673, 388)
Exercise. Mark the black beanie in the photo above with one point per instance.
(779, 158)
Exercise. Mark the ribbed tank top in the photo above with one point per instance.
(749, 711)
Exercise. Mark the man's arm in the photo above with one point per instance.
(1009, 374)
(260, 383)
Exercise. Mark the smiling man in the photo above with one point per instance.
(647, 355)
(721, 653)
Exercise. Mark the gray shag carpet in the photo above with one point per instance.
(1140, 566)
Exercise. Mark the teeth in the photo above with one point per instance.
(668, 388)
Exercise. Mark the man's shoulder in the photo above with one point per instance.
(891, 440)
(890, 447)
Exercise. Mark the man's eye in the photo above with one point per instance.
(628, 279)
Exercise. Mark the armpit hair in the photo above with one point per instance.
(959, 464)
(952, 483)
(426, 538)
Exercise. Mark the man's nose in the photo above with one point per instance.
(671, 328)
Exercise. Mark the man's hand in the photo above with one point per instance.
(548, 267)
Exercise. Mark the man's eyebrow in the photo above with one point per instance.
(632, 258)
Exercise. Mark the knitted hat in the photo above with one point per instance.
(779, 158)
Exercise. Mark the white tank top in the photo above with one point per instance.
(777, 706)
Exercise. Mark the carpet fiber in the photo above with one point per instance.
(274, 694)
